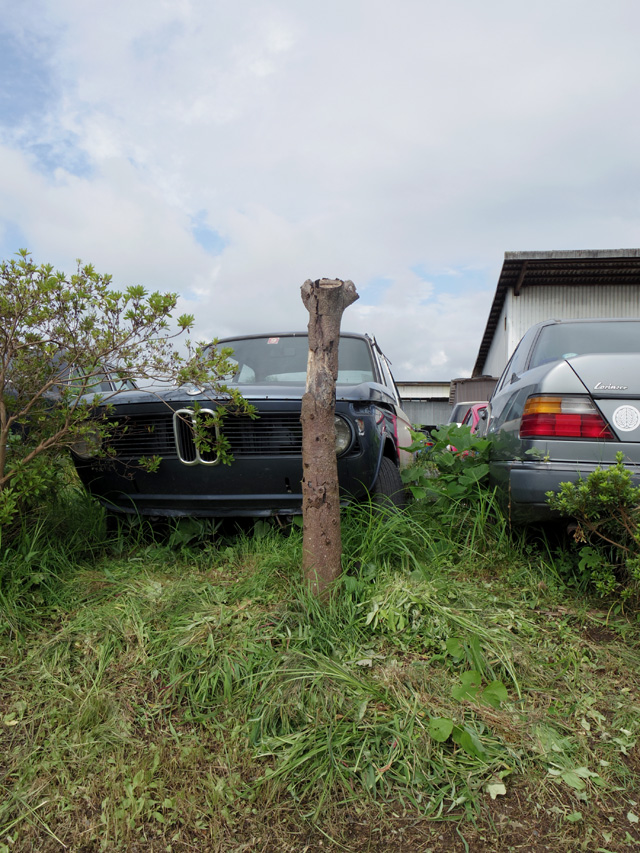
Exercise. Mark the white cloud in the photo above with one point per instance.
(361, 140)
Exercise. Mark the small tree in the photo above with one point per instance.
(326, 300)
(58, 336)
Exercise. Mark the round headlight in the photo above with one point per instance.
(343, 435)
(89, 445)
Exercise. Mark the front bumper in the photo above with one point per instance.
(247, 487)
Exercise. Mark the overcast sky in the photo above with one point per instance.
(230, 149)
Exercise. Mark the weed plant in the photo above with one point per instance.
(38, 554)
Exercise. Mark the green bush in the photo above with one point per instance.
(34, 486)
(60, 338)
(606, 508)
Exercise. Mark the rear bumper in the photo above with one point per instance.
(523, 486)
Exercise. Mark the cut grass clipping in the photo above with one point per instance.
(192, 698)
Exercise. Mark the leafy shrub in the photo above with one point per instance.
(61, 337)
(34, 486)
(453, 468)
(606, 507)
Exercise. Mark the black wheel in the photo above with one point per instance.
(388, 490)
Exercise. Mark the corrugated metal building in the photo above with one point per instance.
(426, 403)
(477, 388)
(535, 286)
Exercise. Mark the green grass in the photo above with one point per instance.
(185, 691)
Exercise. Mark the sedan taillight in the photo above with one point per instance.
(563, 417)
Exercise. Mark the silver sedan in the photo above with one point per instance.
(567, 402)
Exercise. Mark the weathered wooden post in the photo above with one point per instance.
(325, 300)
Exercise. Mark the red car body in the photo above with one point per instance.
(476, 417)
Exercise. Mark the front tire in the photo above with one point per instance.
(388, 490)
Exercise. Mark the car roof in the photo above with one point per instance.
(586, 320)
(298, 334)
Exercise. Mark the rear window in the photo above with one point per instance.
(459, 413)
(565, 340)
(283, 360)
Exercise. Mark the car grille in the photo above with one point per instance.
(272, 434)
(142, 435)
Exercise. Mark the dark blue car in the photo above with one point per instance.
(265, 475)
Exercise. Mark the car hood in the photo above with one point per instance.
(184, 395)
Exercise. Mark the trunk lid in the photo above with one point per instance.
(613, 382)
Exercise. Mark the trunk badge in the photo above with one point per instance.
(608, 386)
(626, 418)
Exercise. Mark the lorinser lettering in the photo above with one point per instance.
(606, 386)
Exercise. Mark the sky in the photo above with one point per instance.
(228, 150)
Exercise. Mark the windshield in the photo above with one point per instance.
(565, 340)
(84, 381)
(283, 359)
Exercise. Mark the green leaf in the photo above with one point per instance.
(573, 780)
(418, 492)
(471, 677)
(469, 741)
(455, 648)
(475, 474)
(362, 709)
(469, 686)
(494, 693)
(584, 772)
(440, 728)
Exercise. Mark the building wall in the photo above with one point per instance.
(423, 390)
(497, 356)
(547, 302)
(427, 412)
(471, 390)
(426, 403)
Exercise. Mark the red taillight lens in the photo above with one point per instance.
(563, 417)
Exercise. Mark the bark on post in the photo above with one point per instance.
(325, 300)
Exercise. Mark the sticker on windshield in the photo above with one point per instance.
(626, 418)
(273, 340)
